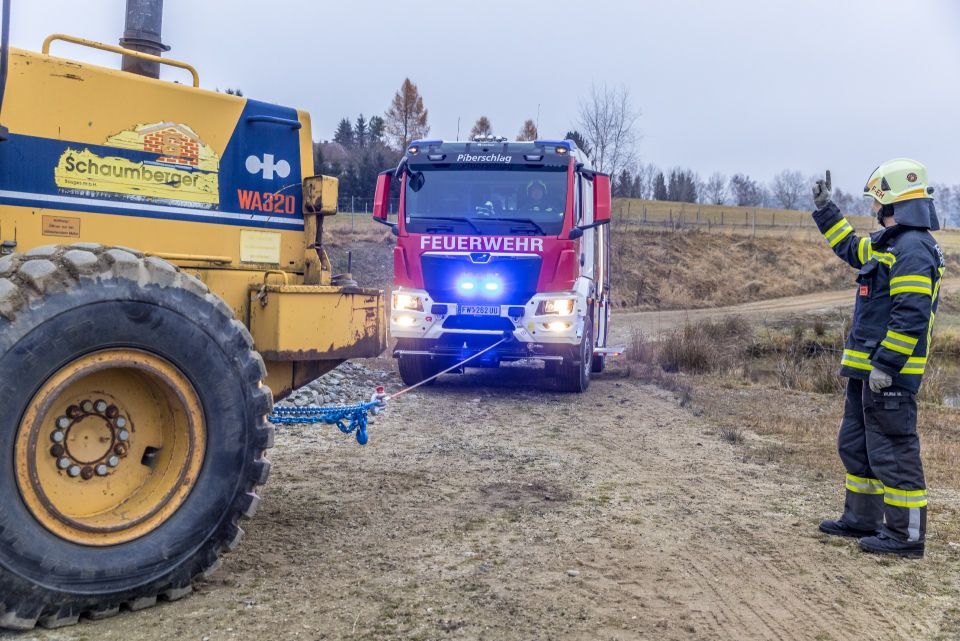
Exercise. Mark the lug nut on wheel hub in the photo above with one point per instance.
(114, 429)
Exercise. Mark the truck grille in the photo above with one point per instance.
(516, 276)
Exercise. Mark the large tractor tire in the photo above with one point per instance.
(575, 376)
(132, 433)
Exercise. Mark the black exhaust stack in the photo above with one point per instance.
(141, 32)
(4, 60)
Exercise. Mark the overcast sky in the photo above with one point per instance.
(739, 85)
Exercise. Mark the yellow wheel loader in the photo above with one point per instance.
(162, 280)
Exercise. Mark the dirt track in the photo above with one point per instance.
(487, 508)
(767, 309)
(466, 518)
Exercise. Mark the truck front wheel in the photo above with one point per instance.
(575, 376)
(415, 368)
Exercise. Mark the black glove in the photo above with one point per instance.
(822, 192)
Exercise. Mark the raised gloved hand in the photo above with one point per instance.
(822, 192)
(879, 380)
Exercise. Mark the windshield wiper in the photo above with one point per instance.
(458, 219)
(524, 220)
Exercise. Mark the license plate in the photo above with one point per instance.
(480, 310)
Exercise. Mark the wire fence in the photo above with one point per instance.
(662, 216)
(354, 208)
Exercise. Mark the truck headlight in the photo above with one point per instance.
(407, 302)
(558, 306)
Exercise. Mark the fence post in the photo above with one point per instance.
(754, 223)
(721, 217)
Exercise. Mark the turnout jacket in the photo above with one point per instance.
(897, 290)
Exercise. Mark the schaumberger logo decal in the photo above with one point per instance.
(184, 171)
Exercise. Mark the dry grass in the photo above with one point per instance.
(678, 213)
(343, 229)
(782, 223)
(806, 424)
(795, 408)
(684, 270)
(694, 348)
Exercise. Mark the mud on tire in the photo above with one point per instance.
(59, 303)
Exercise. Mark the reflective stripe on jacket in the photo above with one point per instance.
(897, 295)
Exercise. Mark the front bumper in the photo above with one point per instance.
(440, 326)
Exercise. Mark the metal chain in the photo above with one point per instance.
(354, 418)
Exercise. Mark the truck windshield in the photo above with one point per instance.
(503, 200)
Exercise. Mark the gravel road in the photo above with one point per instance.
(489, 507)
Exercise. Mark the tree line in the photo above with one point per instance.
(789, 189)
(605, 130)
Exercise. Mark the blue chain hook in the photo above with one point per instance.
(349, 419)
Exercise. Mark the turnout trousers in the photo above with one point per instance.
(880, 450)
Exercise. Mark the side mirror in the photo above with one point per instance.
(381, 198)
(602, 201)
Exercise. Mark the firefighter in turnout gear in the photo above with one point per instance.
(885, 355)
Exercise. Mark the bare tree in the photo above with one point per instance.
(481, 128)
(787, 188)
(746, 192)
(845, 201)
(947, 201)
(643, 180)
(406, 119)
(609, 121)
(528, 132)
(715, 189)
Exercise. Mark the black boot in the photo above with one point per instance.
(839, 528)
(883, 544)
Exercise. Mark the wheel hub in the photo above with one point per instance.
(110, 446)
(90, 439)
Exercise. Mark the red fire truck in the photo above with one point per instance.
(499, 242)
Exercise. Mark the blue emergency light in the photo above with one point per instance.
(470, 284)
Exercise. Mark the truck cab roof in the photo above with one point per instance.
(493, 151)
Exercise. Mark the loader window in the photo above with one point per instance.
(502, 200)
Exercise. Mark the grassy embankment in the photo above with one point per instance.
(773, 223)
(665, 268)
